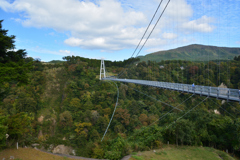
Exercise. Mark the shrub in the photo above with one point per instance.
(98, 153)
(113, 155)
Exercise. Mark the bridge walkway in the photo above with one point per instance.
(215, 92)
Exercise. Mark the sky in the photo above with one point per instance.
(111, 29)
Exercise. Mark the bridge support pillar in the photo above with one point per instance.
(102, 70)
(201, 91)
(228, 95)
(209, 91)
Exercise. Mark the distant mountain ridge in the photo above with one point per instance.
(194, 52)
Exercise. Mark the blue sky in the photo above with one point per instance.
(111, 29)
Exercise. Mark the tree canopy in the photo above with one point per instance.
(12, 64)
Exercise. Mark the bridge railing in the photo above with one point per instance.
(205, 89)
(214, 90)
(234, 93)
(222, 93)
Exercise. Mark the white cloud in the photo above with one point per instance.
(199, 25)
(65, 51)
(179, 10)
(46, 51)
(238, 42)
(90, 24)
(152, 50)
(169, 35)
(107, 24)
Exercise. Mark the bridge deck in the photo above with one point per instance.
(219, 93)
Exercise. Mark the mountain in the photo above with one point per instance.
(194, 52)
(55, 61)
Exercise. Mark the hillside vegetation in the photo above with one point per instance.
(65, 103)
(194, 52)
(29, 154)
(182, 153)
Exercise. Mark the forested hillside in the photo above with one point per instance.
(194, 52)
(66, 103)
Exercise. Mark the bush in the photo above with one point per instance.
(147, 137)
(98, 153)
(86, 150)
(113, 155)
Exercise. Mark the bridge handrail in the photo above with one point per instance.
(218, 92)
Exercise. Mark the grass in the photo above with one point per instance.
(182, 153)
(138, 158)
(29, 154)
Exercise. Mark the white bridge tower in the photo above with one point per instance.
(102, 69)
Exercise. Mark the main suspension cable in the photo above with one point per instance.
(145, 31)
(148, 35)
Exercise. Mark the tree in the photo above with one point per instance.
(143, 118)
(7, 47)
(185, 131)
(148, 136)
(193, 70)
(25, 104)
(152, 118)
(107, 111)
(3, 130)
(237, 58)
(94, 135)
(86, 96)
(19, 126)
(65, 120)
(83, 128)
(74, 105)
(123, 115)
(102, 123)
(88, 105)
(12, 64)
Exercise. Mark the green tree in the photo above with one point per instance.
(75, 105)
(12, 64)
(65, 120)
(19, 126)
(3, 130)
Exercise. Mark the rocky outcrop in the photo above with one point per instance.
(61, 149)
(222, 85)
(216, 111)
(223, 91)
(40, 119)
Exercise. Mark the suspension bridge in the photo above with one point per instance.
(215, 92)
(228, 94)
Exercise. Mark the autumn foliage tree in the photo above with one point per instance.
(83, 128)
(143, 118)
(123, 115)
(193, 70)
